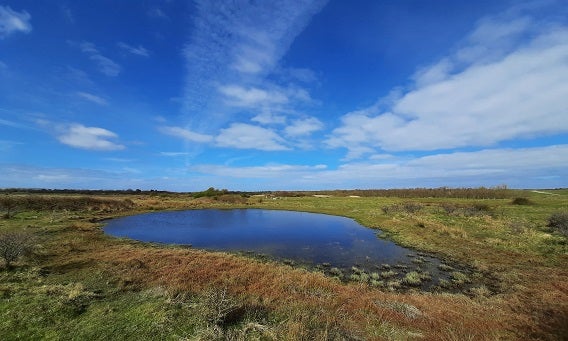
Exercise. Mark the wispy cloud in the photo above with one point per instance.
(251, 97)
(139, 51)
(174, 154)
(304, 127)
(156, 12)
(269, 117)
(246, 136)
(237, 136)
(6, 145)
(67, 13)
(186, 134)
(91, 138)
(9, 123)
(233, 48)
(250, 136)
(26, 176)
(92, 98)
(12, 21)
(517, 90)
(106, 65)
(267, 171)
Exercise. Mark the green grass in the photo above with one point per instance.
(67, 289)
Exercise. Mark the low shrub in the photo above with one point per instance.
(407, 207)
(521, 201)
(558, 222)
(411, 207)
(14, 245)
(476, 210)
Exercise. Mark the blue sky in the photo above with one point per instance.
(283, 95)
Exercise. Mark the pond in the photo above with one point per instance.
(336, 245)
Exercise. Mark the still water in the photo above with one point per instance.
(306, 238)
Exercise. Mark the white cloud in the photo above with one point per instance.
(237, 135)
(501, 161)
(139, 51)
(521, 93)
(246, 136)
(519, 168)
(92, 98)
(186, 134)
(304, 127)
(12, 22)
(105, 64)
(92, 138)
(174, 154)
(268, 117)
(275, 171)
(251, 97)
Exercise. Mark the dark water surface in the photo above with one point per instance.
(305, 238)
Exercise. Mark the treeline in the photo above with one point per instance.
(79, 191)
(499, 192)
(11, 204)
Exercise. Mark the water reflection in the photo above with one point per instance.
(305, 238)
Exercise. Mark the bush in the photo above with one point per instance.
(558, 222)
(521, 201)
(476, 210)
(407, 207)
(14, 245)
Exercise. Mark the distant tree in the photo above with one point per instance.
(14, 245)
(210, 192)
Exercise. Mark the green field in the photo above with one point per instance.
(77, 283)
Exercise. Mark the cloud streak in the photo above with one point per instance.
(106, 65)
(138, 51)
(186, 134)
(12, 22)
(233, 47)
(92, 98)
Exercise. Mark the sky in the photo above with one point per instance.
(283, 95)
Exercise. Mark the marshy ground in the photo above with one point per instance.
(509, 267)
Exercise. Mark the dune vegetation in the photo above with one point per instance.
(68, 280)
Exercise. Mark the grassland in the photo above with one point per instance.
(81, 284)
